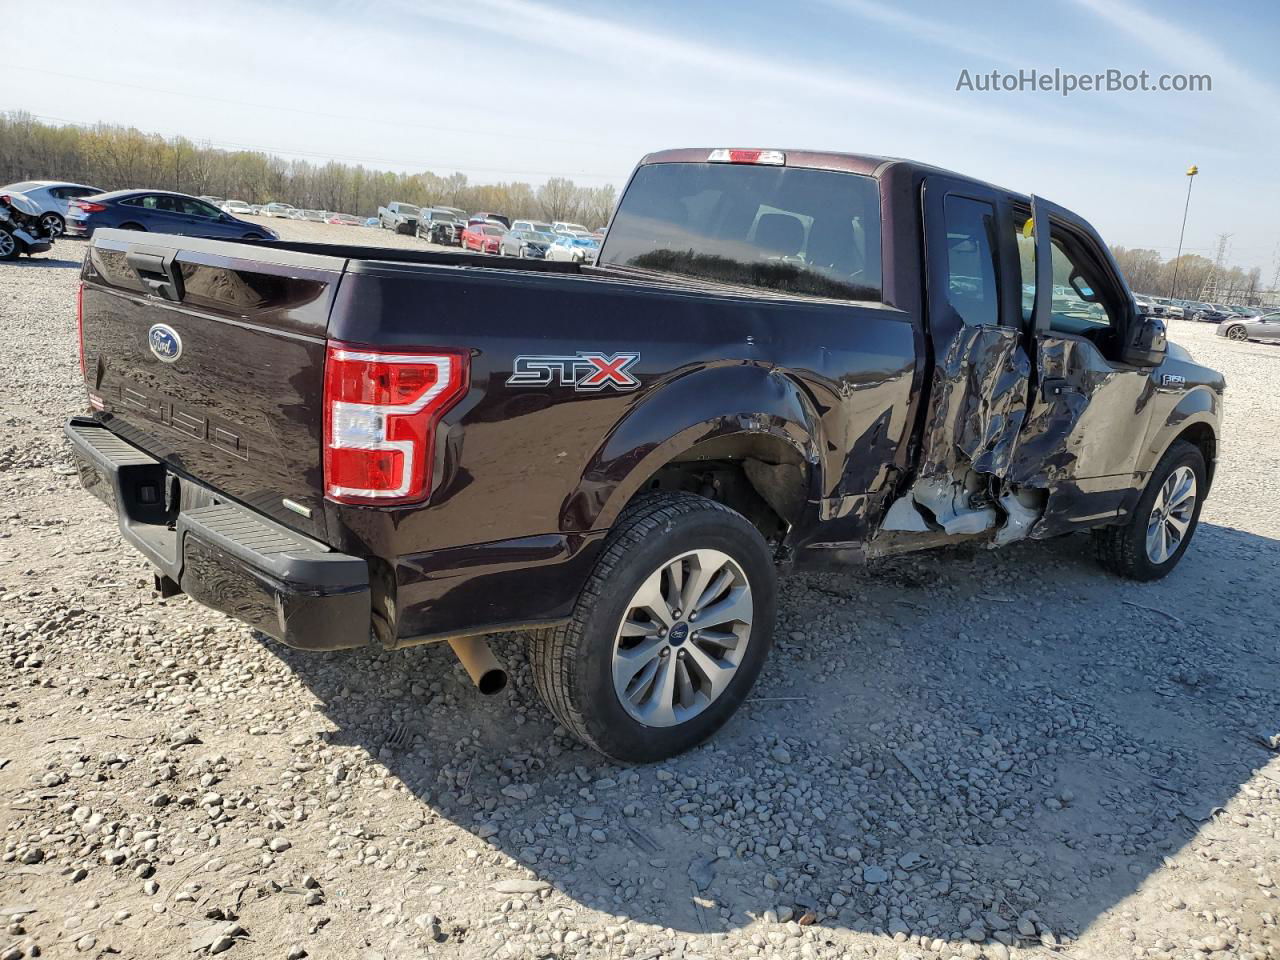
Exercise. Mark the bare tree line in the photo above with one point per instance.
(1148, 273)
(116, 158)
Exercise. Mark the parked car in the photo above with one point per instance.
(536, 226)
(436, 225)
(504, 222)
(574, 248)
(22, 227)
(456, 211)
(399, 217)
(1264, 327)
(158, 211)
(1242, 311)
(213, 201)
(237, 208)
(525, 244)
(51, 197)
(1145, 304)
(483, 237)
(278, 210)
(315, 216)
(624, 460)
(343, 220)
(572, 229)
(372, 222)
(1211, 314)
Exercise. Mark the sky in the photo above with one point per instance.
(527, 89)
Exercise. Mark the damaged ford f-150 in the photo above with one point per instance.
(780, 360)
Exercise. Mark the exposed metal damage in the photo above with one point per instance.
(971, 443)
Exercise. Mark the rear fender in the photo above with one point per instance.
(714, 402)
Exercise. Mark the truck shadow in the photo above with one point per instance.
(939, 741)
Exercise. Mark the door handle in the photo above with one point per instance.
(157, 272)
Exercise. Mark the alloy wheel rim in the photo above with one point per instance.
(1237, 333)
(51, 225)
(1171, 515)
(682, 638)
(7, 244)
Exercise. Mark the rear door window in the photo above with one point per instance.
(972, 287)
(789, 229)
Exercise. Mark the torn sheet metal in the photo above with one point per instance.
(1069, 429)
(977, 407)
(978, 404)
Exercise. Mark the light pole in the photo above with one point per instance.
(1191, 176)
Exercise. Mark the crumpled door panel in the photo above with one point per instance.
(978, 403)
(1071, 430)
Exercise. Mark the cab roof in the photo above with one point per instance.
(867, 165)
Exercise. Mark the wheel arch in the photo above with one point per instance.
(1194, 419)
(742, 421)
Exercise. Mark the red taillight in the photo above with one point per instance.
(88, 206)
(724, 155)
(381, 413)
(80, 325)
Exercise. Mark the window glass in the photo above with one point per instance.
(159, 202)
(789, 229)
(972, 288)
(1073, 310)
(196, 208)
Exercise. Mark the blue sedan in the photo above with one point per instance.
(158, 211)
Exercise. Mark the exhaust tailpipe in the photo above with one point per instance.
(485, 670)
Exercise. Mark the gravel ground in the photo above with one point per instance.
(967, 753)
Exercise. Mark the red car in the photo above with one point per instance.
(484, 237)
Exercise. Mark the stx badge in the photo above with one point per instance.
(586, 372)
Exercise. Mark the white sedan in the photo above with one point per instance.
(574, 248)
(279, 210)
(237, 208)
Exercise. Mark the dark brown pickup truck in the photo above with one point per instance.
(781, 359)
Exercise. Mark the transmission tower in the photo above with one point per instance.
(1209, 292)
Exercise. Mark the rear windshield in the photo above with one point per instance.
(812, 232)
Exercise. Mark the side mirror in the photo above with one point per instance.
(1147, 342)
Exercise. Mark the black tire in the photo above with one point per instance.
(1122, 549)
(572, 664)
(133, 226)
(55, 221)
(10, 247)
(1238, 332)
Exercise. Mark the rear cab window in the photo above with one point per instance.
(785, 229)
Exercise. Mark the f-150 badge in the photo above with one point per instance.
(586, 372)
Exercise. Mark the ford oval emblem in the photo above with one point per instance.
(165, 342)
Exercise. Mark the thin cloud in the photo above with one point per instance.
(1193, 53)
(946, 35)
(642, 50)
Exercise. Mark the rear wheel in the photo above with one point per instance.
(1237, 333)
(669, 634)
(1156, 535)
(53, 225)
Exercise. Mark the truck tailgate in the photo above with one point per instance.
(210, 356)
